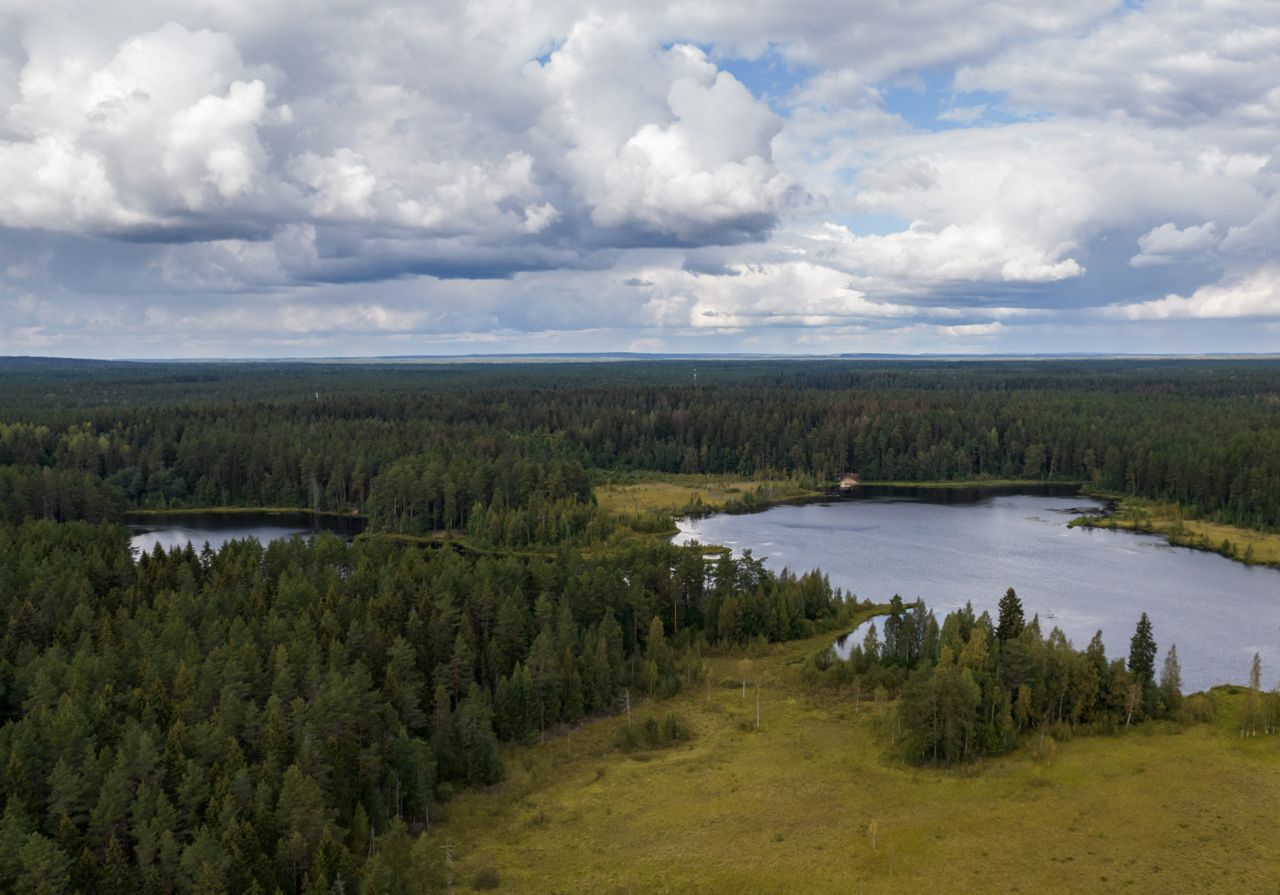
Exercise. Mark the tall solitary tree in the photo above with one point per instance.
(1142, 652)
(1011, 620)
(1142, 665)
(1171, 680)
(1253, 699)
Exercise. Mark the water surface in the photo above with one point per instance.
(176, 530)
(950, 547)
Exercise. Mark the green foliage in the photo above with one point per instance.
(424, 449)
(1011, 621)
(267, 716)
(289, 718)
(654, 734)
(965, 693)
(487, 878)
(1142, 652)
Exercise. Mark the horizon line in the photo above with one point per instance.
(639, 356)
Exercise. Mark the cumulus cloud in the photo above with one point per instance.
(755, 176)
(166, 127)
(1256, 294)
(974, 251)
(658, 141)
(790, 294)
(1166, 243)
(1170, 62)
(172, 125)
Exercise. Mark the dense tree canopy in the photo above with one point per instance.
(201, 721)
(423, 446)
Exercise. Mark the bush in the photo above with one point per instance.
(487, 878)
(654, 734)
(1196, 709)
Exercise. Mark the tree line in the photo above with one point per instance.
(424, 446)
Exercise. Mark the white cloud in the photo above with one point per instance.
(1171, 62)
(974, 251)
(795, 293)
(167, 125)
(1166, 243)
(49, 182)
(973, 329)
(503, 166)
(660, 141)
(964, 114)
(1256, 294)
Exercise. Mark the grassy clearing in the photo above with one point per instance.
(788, 807)
(1167, 519)
(677, 494)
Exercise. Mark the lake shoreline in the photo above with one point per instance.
(949, 548)
(1109, 518)
(1135, 515)
(197, 528)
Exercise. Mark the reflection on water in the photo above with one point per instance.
(951, 547)
(176, 530)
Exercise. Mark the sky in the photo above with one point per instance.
(272, 178)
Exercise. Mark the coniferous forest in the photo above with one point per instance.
(284, 717)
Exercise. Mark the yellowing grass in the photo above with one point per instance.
(675, 493)
(1166, 519)
(787, 808)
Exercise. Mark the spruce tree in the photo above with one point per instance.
(1011, 620)
(1142, 652)
(1142, 665)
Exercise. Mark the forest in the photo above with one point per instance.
(422, 447)
(283, 718)
(253, 719)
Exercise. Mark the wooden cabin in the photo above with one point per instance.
(850, 481)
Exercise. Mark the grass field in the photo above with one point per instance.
(678, 493)
(788, 807)
(1138, 514)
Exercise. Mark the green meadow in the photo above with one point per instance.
(814, 800)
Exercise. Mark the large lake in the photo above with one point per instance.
(950, 547)
(171, 530)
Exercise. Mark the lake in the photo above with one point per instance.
(949, 547)
(171, 530)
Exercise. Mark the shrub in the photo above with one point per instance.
(654, 734)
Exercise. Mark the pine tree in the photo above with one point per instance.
(404, 684)
(45, 867)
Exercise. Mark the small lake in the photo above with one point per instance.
(176, 530)
(949, 547)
